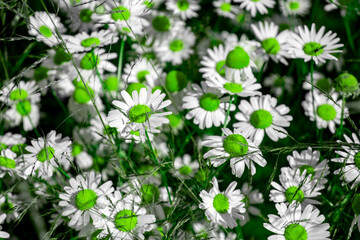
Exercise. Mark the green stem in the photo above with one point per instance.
(348, 33)
(227, 113)
(342, 116)
(121, 54)
(312, 95)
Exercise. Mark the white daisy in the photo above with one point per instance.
(176, 48)
(312, 45)
(261, 115)
(82, 17)
(309, 161)
(186, 9)
(13, 93)
(253, 7)
(84, 198)
(184, 168)
(98, 60)
(272, 42)
(83, 159)
(296, 222)
(208, 107)
(139, 111)
(234, 146)
(45, 26)
(328, 111)
(279, 83)
(2, 233)
(223, 208)
(251, 197)
(9, 163)
(295, 186)
(226, 9)
(46, 154)
(213, 64)
(350, 160)
(176, 82)
(325, 84)
(294, 7)
(13, 141)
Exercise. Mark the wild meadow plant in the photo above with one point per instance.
(179, 119)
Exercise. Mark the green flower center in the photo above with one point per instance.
(294, 194)
(81, 95)
(326, 111)
(85, 15)
(261, 119)
(18, 149)
(149, 4)
(240, 18)
(23, 107)
(45, 31)
(183, 5)
(185, 170)
(161, 23)
(313, 48)
(3, 146)
(346, 83)
(236, 145)
(150, 193)
(141, 75)
(237, 58)
(174, 120)
(295, 232)
(7, 207)
(209, 102)
(226, 7)
(175, 81)
(233, 87)
(324, 84)
(61, 56)
(112, 83)
(85, 199)
(40, 73)
(176, 45)
(220, 67)
(18, 94)
(356, 204)
(76, 149)
(134, 86)
(120, 13)
(135, 133)
(279, 82)
(294, 5)
(271, 46)
(139, 113)
(221, 203)
(357, 160)
(7, 162)
(309, 170)
(125, 220)
(89, 61)
(47, 153)
(90, 42)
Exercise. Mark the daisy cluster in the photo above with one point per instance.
(180, 119)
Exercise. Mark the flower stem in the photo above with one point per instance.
(342, 116)
(227, 113)
(121, 54)
(312, 95)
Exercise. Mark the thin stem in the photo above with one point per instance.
(342, 116)
(227, 113)
(312, 95)
(121, 54)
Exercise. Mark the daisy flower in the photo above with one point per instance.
(213, 64)
(226, 9)
(260, 116)
(350, 160)
(208, 107)
(45, 154)
(234, 146)
(84, 198)
(296, 185)
(347, 85)
(9, 163)
(253, 7)
(323, 83)
(251, 197)
(24, 112)
(139, 111)
(279, 83)
(223, 208)
(186, 9)
(13, 141)
(184, 168)
(296, 222)
(328, 111)
(175, 82)
(294, 7)
(13, 93)
(82, 158)
(272, 42)
(312, 45)
(2, 233)
(84, 42)
(44, 26)
(176, 48)
(98, 60)
(309, 161)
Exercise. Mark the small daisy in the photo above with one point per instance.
(186, 9)
(309, 45)
(260, 116)
(82, 158)
(251, 197)
(13, 141)
(350, 160)
(226, 9)
(45, 26)
(9, 163)
(295, 186)
(323, 83)
(328, 111)
(223, 208)
(139, 111)
(184, 168)
(295, 223)
(208, 107)
(253, 7)
(213, 64)
(347, 85)
(234, 146)
(83, 42)
(294, 7)
(84, 198)
(2, 233)
(12, 93)
(176, 48)
(98, 60)
(272, 42)
(279, 83)
(309, 161)
(45, 154)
